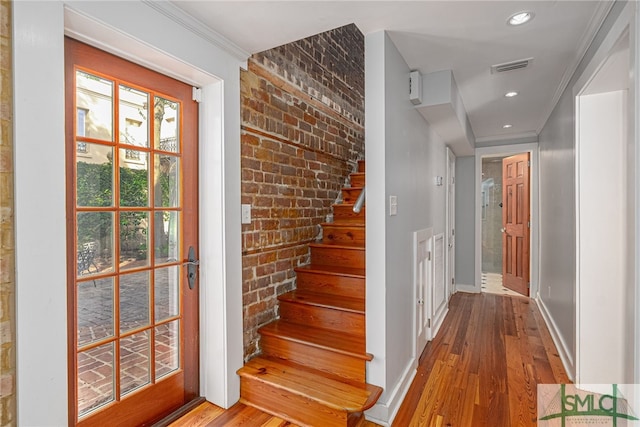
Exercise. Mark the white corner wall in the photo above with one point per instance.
(41, 289)
(558, 221)
(404, 155)
(603, 284)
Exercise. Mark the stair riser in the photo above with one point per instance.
(357, 179)
(356, 420)
(338, 256)
(328, 361)
(322, 317)
(361, 166)
(290, 406)
(344, 214)
(350, 195)
(343, 235)
(346, 286)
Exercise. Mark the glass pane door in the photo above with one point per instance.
(129, 240)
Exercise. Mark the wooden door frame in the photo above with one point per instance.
(38, 30)
(534, 251)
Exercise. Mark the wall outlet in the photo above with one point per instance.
(393, 205)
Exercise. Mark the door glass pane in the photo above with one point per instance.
(167, 172)
(95, 242)
(133, 113)
(94, 95)
(167, 296)
(134, 301)
(134, 240)
(166, 125)
(134, 178)
(166, 237)
(167, 342)
(94, 175)
(135, 361)
(95, 310)
(128, 239)
(96, 385)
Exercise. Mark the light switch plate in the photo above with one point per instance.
(393, 205)
(246, 214)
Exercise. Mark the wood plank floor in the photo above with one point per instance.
(481, 370)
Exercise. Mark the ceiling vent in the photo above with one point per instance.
(511, 66)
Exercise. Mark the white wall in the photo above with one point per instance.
(557, 293)
(41, 288)
(403, 157)
(602, 235)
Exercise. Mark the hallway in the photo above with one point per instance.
(483, 367)
(481, 370)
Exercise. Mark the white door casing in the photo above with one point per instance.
(451, 223)
(439, 301)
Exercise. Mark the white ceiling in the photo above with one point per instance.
(464, 36)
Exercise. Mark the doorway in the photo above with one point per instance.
(489, 219)
(505, 224)
(41, 292)
(605, 255)
(132, 223)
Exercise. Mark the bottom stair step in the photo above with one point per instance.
(302, 395)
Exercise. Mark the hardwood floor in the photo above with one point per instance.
(481, 370)
(483, 367)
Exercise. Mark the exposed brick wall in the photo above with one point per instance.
(7, 239)
(302, 132)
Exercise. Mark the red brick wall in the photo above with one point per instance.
(302, 131)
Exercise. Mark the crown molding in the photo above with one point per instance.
(602, 10)
(197, 27)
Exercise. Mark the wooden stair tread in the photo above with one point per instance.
(342, 224)
(333, 270)
(341, 245)
(343, 395)
(354, 305)
(326, 339)
(347, 204)
(353, 188)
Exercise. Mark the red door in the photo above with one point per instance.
(131, 221)
(515, 223)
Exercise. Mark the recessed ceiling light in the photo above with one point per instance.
(520, 18)
(507, 126)
(511, 94)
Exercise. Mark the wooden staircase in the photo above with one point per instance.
(312, 368)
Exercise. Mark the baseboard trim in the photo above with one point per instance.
(561, 345)
(384, 413)
(438, 321)
(467, 288)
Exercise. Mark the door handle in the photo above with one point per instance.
(502, 230)
(192, 267)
